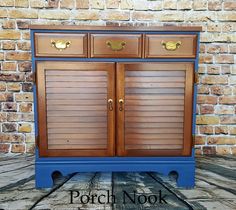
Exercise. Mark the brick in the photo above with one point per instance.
(25, 66)
(9, 34)
(229, 5)
(213, 69)
(233, 149)
(3, 13)
(82, 4)
(224, 109)
(26, 97)
(200, 140)
(226, 16)
(9, 107)
(30, 148)
(232, 130)
(201, 69)
(115, 15)
(30, 138)
(205, 129)
(20, 56)
(24, 46)
(205, 58)
(24, 128)
(23, 13)
(14, 87)
(170, 4)
(206, 109)
(140, 5)
(215, 5)
(112, 4)
(215, 79)
(6, 97)
(213, 27)
(25, 107)
(53, 3)
(21, 3)
(221, 90)
(228, 120)
(170, 16)
(9, 66)
(54, 14)
(185, 5)
(10, 137)
(221, 130)
(203, 89)
(7, 3)
(9, 127)
(97, 4)
(4, 148)
(18, 148)
(217, 48)
(143, 15)
(232, 48)
(1, 57)
(198, 151)
(200, 4)
(23, 24)
(37, 3)
(202, 48)
(8, 45)
(227, 100)
(85, 15)
(68, 4)
(202, 99)
(29, 77)
(207, 120)
(27, 87)
(13, 77)
(227, 27)
(232, 80)
(225, 69)
(223, 150)
(209, 150)
(9, 24)
(3, 117)
(2, 86)
(200, 16)
(126, 4)
(16, 117)
(224, 58)
(221, 140)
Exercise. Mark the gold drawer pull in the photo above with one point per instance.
(116, 45)
(121, 104)
(110, 104)
(171, 45)
(60, 44)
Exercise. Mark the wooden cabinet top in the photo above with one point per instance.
(117, 28)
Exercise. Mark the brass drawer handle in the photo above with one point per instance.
(171, 45)
(60, 44)
(116, 45)
(121, 103)
(110, 104)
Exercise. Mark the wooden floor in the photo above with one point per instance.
(215, 188)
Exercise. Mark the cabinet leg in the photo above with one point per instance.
(43, 177)
(186, 177)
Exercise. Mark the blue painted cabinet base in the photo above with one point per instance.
(184, 166)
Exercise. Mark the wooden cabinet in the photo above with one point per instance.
(114, 99)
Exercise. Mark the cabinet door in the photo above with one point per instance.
(75, 108)
(154, 109)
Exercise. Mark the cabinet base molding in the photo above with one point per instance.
(183, 166)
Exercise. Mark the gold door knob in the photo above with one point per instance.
(121, 104)
(110, 104)
(116, 45)
(171, 45)
(60, 44)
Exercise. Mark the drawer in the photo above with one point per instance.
(116, 45)
(179, 46)
(60, 45)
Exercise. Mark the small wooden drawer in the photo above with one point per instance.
(116, 45)
(60, 45)
(173, 46)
